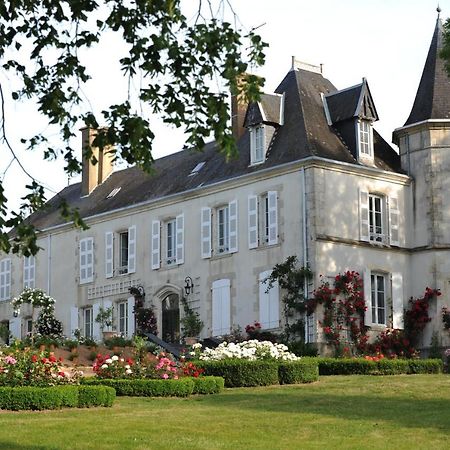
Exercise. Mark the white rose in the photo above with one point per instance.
(115, 358)
(105, 366)
(108, 361)
(128, 371)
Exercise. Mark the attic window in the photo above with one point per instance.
(365, 139)
(113, 192)
(197, 168)
(257, 145)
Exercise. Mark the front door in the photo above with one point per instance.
(171, 319)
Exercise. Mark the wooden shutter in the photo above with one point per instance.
(95, 325)
(130, 307)
(15, 328)
(205, 232)
(109, 254)
(397, 300)
(156, 252)
(86, 260)
(73, 321)
(252, 221)
(269, 306)
(132, 249)
(29, 264)
(221, 307)
(180, 238)
(367, 297)
(394, 218)
(233, 226)
(364, 216)
(5, 279)
(272, 217)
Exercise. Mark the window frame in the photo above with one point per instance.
(89, 323)
(376, 308)
(365, 139)
(123, 253)
(172, 240)
(374, 236)
(257, 144)
(223, 229)
(122, 316)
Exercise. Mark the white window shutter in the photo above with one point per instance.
(252, 221)
(15, 327)
(394, 218)
(180, 238)
(367, 297)
(221, 307)
(233, 226)
(109, 254)
(269, 306)
(132, 249)
(273, 217)
(206, 232)
(156, 253)
(86, 250)
(73, 320)
(29, 264)
(5, 279)
(130, 306)
(397, 300)
(95, 325)
(364, 216)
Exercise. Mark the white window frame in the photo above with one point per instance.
(376, 306)
(364, 133)
(223, 229)
(122, 268)
(29, 272)
(5, 279)
(171, 241)
(88, 325)
(257, 144)
(122, 318)
(377, 233)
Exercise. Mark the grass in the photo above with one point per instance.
(342, 412)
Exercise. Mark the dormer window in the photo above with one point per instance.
(257, 144)
(365, 139)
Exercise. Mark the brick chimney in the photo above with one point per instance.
(94, 174)
(238, 109)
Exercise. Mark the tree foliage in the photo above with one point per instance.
(174, 61)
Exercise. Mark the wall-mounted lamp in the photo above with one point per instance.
(16, 313)
(189, 286)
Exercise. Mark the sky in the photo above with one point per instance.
(385, 41)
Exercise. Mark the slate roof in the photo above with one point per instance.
(305, 133)
(433, 94)
(271, 111)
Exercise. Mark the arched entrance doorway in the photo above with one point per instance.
(170, 329)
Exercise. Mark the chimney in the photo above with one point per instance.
(238, 110)
(94, 174)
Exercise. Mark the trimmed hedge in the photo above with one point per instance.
(55, 397)
(361, 366)
(208, 385)
(146, 388)
(241, 372)
(305, 370)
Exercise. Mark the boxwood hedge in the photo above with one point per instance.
(361, 366)
(39, 398)
(305, 370)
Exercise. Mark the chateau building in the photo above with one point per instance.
(313, 179)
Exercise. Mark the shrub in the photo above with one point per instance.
(146, 388)
(241, 372)
(39, 398)
(118, 341)
(305, 370)
(360, 366)
(208, 385)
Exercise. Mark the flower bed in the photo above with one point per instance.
(55, 397)
(375, 366)
(182, 387)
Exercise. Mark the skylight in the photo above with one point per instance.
(197, 168)
(114, 192)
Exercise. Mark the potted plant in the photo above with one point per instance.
(192, 324)
(105, 319)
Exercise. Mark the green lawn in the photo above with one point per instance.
(358, 412)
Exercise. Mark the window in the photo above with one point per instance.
(28, 271)
(86, 260)
(378, 298)
(223, 229)
(120, 252)
(263, 219)
(257, 145)
(376, 218)
(167, 240)
(123, 318)
(365, 139)
(28, 327)
(88, 323)
(5, 279)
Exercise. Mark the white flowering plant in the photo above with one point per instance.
(37, 298)
(252, 350)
